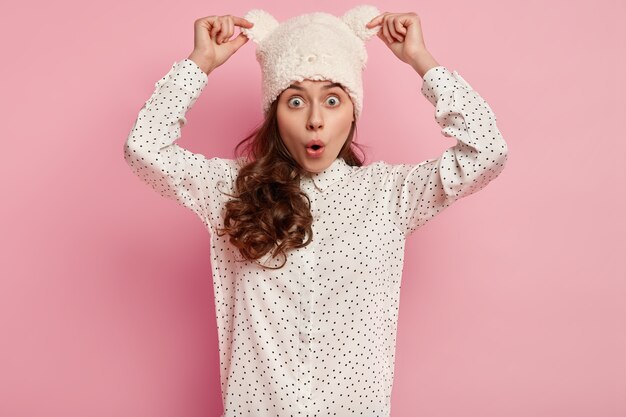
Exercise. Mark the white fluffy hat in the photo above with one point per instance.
(315, 46)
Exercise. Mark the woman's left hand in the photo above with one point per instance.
(402, 33)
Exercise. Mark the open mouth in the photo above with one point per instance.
(315, 150)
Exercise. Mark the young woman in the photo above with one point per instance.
(307, 243)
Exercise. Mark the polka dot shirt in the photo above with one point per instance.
(317, 337)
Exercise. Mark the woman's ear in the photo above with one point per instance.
(357, 18)
(264, 24)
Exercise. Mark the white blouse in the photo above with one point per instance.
(316, 337)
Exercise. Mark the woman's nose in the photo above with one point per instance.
(315, 119)
(314, 124)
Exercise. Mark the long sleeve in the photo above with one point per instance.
(418, 192)
(150, 150)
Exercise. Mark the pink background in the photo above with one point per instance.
(512, 299)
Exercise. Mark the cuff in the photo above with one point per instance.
(188, 75)
(438, 80)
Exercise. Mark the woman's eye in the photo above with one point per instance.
(296, 101)
(335, 100)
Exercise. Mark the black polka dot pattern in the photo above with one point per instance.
(317, 337)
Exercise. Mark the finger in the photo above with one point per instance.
(210, 19)
(222, 32)
(392, 30)
(386, 33)
(376, 21)
(239, 41)
(381, 35)
(219, 38)
(399, 27)
(225, 36)
(240, 21)
(231, 28)
(215, 29)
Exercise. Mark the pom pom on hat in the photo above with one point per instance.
(315, 46)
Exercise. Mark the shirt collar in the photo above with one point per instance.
(335, 172)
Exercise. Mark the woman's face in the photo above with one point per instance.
(314, 110)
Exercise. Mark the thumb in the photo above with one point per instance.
(238, 42)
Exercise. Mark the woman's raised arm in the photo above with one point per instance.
(150, 149)
(419, 192)
(151, 152)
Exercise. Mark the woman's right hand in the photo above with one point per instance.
(212, 45)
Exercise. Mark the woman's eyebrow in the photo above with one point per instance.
(327, 86)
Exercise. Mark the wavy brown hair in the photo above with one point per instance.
(269, 211)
